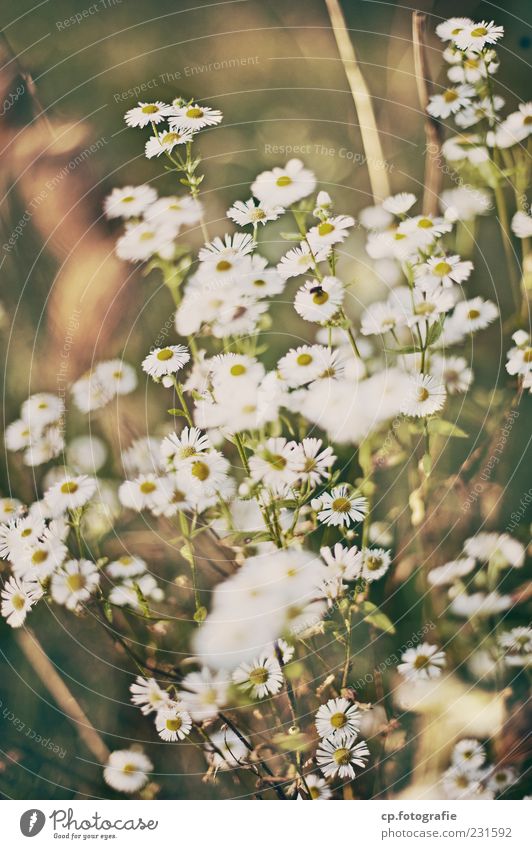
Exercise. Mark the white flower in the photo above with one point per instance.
(18, 597)
(173, 723)
(501, 549)
(145, 239)
(194, 117)
(469, 755)
(318, 787)
(342, 562)
(423, 230)
(302, 365)
(204, 693)
(118, 376)
(131, 592)
(70, 493)
(423, 397)
(444, 270)
(338, 718)
(74, 583)
(19, 535)
(375, 563)
(449, 572)
(126, 770)
(519, 124)
(310, 462)
(480, 604)
(86, 454)
(469, 147)
(465, 202)
(177, 450)
(319, 300)
(341, 507)
(39, 561)
(501, 778)
(399, 204)
(330, 232)
(139, 493)
(10, 508)
(169, 360)
(298, 260)
(259, 280)
(475, 314)
(340, 756)
(422, 663)
(230, 752)
(382, 317)
(450, 101)
(178, 211)
(129, 202)
(230, 370)
(147, 695)
(449, 29)
(522, 225)
(261, 677)
(284, 186)
(127, 566)
(243, 213)
(165, 142)
(206, 475)
(272, 464)
(453, 372)
(147, 113)
(517, 645)
(90, 393)
(375, 217)
(41, 410)
(460, 783)
(475, 36)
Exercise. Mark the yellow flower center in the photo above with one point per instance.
(341, 505)
(325, 228)
(373, 563)
(146, 487)
(320, 297)
(442, 268)
(200, 470)
(194, 112)
(147, 235)
(338, 720)
(473, 314)
(237, 370)
(450, 95)
(422, 393)
(165, 354)
(425, 223)
(304, 360)
(479, 32)
(18, 601)
(174, 724)
(341, 757)
(527, 356)
(39, 556)
(129, 769)
(69, 487)
(150, 109)
(75, 582)
(258, 675)
(283, 181)
(128, 199)
(421, 661)
(125, 560)
(259, 282)
(223, 265)
(26, 532)
(170, 138)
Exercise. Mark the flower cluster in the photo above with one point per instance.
(470, 776)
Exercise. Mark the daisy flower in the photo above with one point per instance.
(475, 314)
(444, 270)
(502, 549)
(87, 454)
(423, 230)
(165, 142)
(162, 361)
(147, 113)
(465, 147)
(450, 101)
(340, 756)
(310, 462)
(129, 202)
(522, 225)
(41, 559)
(399, 204)
(460, 783)
(230, 752)
(118, 376)
(465, 202)
(173, 723)
(318, 787)
(89, 393)
(133, 591)
(126, 770)
(342, 561)
(424, 396)
(469, 755)
(501, 778)
(449, 29)
(204, 693)
(454, 372)
(330, 232)
(147, 695)
(517, 645)
(422, 663)
(10, 508)
(178, 211)
(194, 117)
(375, 217)
(175, 451)
(18, 597)
(139, 494)
(519, 124)
(302, 365)
(297, 260)
(272, 464)
(475, 36)
(142, 456)
(42, 409)
(74, 583)
(127, 566)
(207, 473)
(230, 370)
(375, 563)
(70, 493)
(246, 212)
(262, 677)
(284, 186)
(171, 496)
(142, 241)
(18, 435)
(19, 535)
(319, 300)
(480, 604)
(381, 317)
(260, 280)
(449, 572)
(341, 506)
(337, 718)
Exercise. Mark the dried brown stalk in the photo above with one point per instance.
(378, 176)
(433, 130)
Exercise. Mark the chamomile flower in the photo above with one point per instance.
(475, 314)
(297, 261)
(454, 372)
(74, 583)
(206, 474)
(10, 508)
(19, 535)
(440, 576)
(302, 365)
(127, 770)
(118, 376)
(86, 454)
(318, 787)
(450, 101)
(143, 240)
(341, 506)
(399, 204)
(173, 723)
(519, 124)
(42, 409)
(382, 317)
(89, 393)
(424, 396)
(337, 718)
(475, 36)
(449, 29)
(18, 597)
(244, 213)
(480, 604)
(467, 147)
(423, 230)
(18, 435)
(227, 752)
(204, 693)
(501, 778)
(272, 464)
(163, 361)
(70, 493)
(262, 677)
(147, 113)
(142, 456)
(375, 563)
(129, 202)
(134, 592)
(517, 645)
(319, 300)
(147, 695)
(340, 756)
(178, 211)
(522, 225)
(311, 462)
(342, 561)
(422, 663)
(194, 117)
(165, 142)
(139, 494)
(39, 561)
(500, 549)
(259, 280)
(172, 495)
(330, 232)
(461, 783)
(465, 202)
(177, 450)
(469, 755)
(230, 370)
(444, 270)
(284, 186)
(126, 566)
(375, 217)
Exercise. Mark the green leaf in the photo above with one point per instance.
(291, 237)
(380, 621)
(108, 611)
(200, 614)
(435, 331)
(444, 428)
(175, 411)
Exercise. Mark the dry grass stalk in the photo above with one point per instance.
(433, 130)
